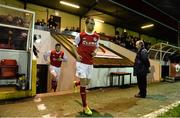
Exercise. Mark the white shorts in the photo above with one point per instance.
(83, 70)
(55, 71)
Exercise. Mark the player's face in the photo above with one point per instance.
(58, 48)
(138, 46)
(90, 25)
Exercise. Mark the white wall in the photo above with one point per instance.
(101, 76)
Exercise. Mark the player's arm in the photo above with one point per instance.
(75, 45)
(64, 59)
(97, 48)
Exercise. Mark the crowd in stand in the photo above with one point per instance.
(51, 24)
(41, 23)
(128, 41)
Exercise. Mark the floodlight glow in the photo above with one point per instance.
(147, 26)
(69, 4)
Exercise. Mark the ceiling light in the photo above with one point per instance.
(97, 20)
(69, 4)
(147, 26)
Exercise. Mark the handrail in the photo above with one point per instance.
(159, 48)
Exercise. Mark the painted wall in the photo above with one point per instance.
(100, 27)
(5, 11)
(101, 76)
(104, 28)
(13, 3)
(40, 12)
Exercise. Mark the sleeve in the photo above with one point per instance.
(97, 45)
(46, 55)
(144, 57)
(77, 40)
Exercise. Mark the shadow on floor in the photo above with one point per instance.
(157, 97)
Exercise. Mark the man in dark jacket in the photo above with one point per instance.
(141, 68)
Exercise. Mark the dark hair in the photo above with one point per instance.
(87, 20)
(141, 43)
(57, 44)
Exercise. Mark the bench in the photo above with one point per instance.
(120, 76)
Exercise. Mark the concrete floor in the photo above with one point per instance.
(104, 102)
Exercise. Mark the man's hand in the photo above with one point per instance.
(93, 54)
(59, 59)
(78, 58)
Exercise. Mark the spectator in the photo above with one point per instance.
(43, 23)
(72, 29)
(66, 29)
(141, 68)
(51, 23)
(38, 22)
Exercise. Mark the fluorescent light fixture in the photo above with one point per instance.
(97, 20)
(69, 4)
(147, 26)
